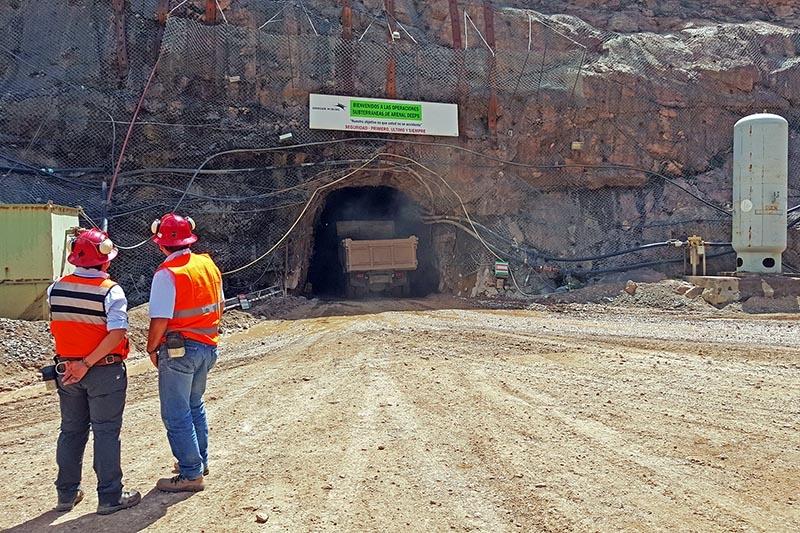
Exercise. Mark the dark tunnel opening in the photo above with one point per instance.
(378, 209)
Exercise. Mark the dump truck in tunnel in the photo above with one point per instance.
(375, 262)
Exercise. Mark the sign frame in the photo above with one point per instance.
(381, 115)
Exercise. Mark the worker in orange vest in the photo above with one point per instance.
(186, 304)
(89, 321)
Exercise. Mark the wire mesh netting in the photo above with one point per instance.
(578, 146)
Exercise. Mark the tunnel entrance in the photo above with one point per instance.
(388, 209)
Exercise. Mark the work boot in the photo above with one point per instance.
(180, 484)
(128, 499)
(67, 504)
(177, 470)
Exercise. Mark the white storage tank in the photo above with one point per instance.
(760, 188)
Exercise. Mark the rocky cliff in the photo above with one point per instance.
(586, 127)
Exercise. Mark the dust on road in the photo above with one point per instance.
(457, 419)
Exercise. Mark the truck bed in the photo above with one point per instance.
(363, 230)
(384, 254)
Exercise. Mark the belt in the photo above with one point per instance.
(110, 359)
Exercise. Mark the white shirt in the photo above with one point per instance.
(162, 291)
(115, 303)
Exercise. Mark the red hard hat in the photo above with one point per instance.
(91, 248)
(173, 230)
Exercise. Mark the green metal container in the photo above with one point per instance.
(32, 242)
(501, 269)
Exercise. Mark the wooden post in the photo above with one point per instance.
(455, 22)
(458, 56)
(285, 267)
(211, 12)
(214, 51)
(121, 38)
(347, 21)
(391, 65)
(346, 60)
(488, 21)
(162, 9)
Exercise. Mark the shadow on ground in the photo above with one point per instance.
(153, 507)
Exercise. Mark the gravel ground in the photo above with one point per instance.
(27, 346)
(661, 295)
(24, 347)
(401, 417)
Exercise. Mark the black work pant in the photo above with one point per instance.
(96, 401)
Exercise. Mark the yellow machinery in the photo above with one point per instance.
(697, 254)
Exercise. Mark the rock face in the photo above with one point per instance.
(588, 128)
(660, 16)
(757, 294)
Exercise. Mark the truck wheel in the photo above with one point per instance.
(405, 290)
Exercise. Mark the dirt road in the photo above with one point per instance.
(438, 420)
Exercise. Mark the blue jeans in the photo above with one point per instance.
(181, 384)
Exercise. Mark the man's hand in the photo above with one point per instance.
(154, 358)
(158, 328)
(74, 372)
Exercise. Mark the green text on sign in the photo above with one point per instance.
(385, 110)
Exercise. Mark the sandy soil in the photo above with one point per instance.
(413, 418)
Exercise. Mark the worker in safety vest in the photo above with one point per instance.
(89, 321)
(186, 304)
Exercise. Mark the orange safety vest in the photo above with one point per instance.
(198, 297)
(78, 316)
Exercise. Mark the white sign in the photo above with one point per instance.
(351, 113)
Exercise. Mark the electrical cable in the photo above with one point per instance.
(50, 171)
(592, 272)
(45, 173)
(221, 12)
(223, 171)
(176, 7)
(490, 248)
(199, 170)
(469, 219)
(539, 255)
(475, 232)
(134, 211)
(85, 215)
(135, 116)
(635, 266)
(19, 163)
(299, 217)
(474, 225)
(271, 19)
(134, 246)
(33, 140)
(467, 231)
(461, 149)
(130, 129)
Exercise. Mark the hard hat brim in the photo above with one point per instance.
(78, 261)
(164, 241)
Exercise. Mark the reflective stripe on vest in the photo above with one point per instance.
(198, 291)
(78, 316)
(199, 331)
(197, 311)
